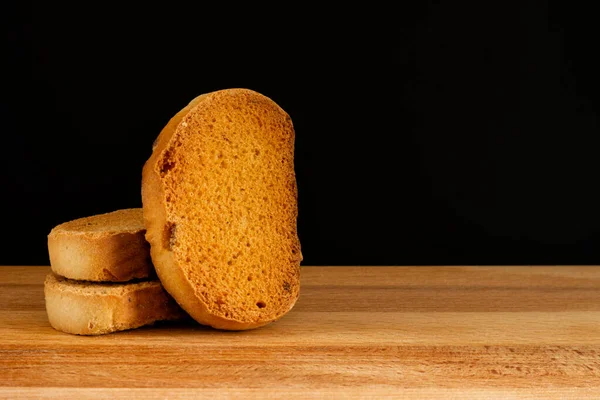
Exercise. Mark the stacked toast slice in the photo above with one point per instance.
(102, 277)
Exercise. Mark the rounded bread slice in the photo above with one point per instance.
(85, 308)
(107, 247)
(220, 208)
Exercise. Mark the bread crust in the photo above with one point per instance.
(171, 273)
(113, 254)
(83, 308)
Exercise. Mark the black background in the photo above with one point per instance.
(434, 133)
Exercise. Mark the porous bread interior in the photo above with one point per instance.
(231, 205)
(97, 288)
(120, 221)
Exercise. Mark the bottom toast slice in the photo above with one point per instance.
(86, 308)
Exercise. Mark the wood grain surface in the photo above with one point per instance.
(356, 332)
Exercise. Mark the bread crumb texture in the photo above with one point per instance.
(230, 198)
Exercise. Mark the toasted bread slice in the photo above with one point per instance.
(85, 308)
(105, 247)
(220, 208)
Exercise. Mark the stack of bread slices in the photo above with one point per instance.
(102, 278)
(216, 234)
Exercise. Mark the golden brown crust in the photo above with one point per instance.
(177, 270)
(106, 247)
(93, 309)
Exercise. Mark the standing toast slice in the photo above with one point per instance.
(220, 209)
(107, 247)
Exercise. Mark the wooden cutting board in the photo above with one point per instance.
(365, 332)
